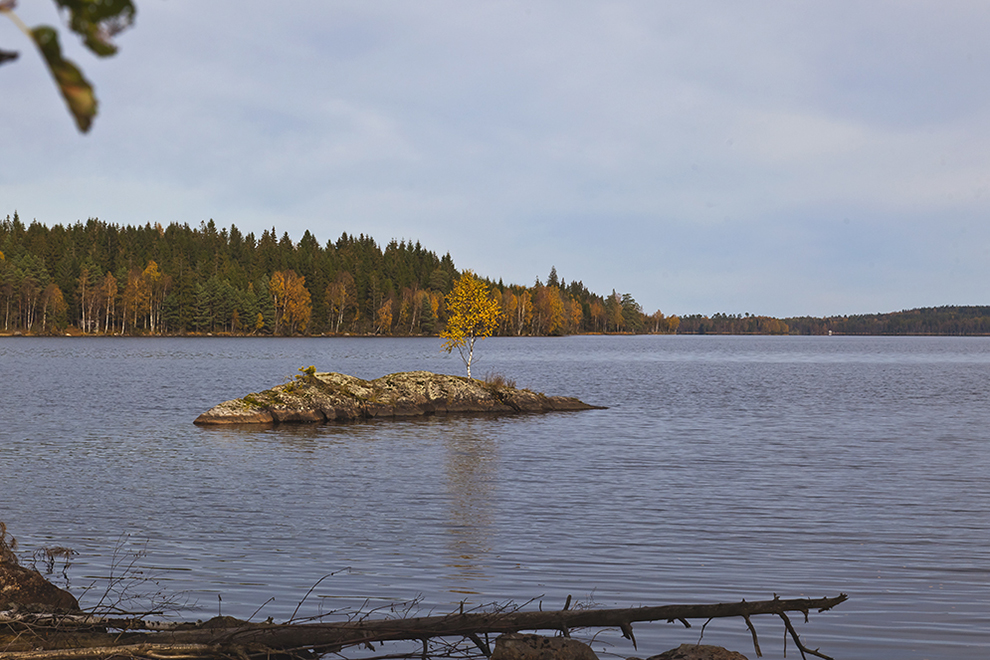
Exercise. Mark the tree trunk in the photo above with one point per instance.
(226, 635)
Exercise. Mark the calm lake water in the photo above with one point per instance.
(724, 468)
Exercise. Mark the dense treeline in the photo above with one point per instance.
(729, 324)
(102, 278)
(972, 320)
(966, 320)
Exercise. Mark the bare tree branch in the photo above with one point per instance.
(225, 636)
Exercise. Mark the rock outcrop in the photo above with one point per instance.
(323, 397)
(24, 588)
(698, 652)
(522, 646)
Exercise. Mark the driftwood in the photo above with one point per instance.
(56, 637)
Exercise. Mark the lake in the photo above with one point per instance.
(723, 468)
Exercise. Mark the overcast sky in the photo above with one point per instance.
(780, 158)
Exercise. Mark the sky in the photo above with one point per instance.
(775, 158)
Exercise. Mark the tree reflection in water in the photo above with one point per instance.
(471, 465)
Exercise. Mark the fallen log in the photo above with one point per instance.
(229, 637)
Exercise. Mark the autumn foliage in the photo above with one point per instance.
(99, 278)
(472, 314)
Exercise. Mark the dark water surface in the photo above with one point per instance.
(724, 468)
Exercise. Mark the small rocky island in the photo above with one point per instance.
(315, 398)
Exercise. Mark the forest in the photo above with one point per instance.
(945, 321)
(94, 277)
(942, 321)
(731, 324)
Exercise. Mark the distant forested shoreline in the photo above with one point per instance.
(94, 277)
(926, 321)
(950, 320)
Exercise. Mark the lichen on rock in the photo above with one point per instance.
(321, 397)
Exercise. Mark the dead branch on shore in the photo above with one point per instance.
(88, 638)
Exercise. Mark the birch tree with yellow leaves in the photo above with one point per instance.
(472, 314)
(292, 301)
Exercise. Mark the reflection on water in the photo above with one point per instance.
(471, 461)
(464, 448)
(724, 468)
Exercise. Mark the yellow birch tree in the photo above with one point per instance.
(53, 300)
(341, 295)
(472, 314)
(383, 318)
(108, 291)
(292, 301)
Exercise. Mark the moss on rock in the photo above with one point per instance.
(321, 397)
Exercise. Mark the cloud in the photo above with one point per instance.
(701, 156)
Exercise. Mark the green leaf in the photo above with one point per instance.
(76, 90)
(98, 21)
